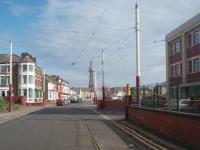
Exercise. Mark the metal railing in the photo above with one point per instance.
(164, 96)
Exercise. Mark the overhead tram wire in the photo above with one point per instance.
(94, 33)
(124, 39)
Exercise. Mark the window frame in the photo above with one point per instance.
(26, 66)
(196, 37)
(196, 65)
(25, 80)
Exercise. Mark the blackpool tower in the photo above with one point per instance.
(91, 78)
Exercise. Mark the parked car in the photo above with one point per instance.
(79, 100)
(59, 102)
(172, 105)
(67, 102)
(73, 99)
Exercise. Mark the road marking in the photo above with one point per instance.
(131, 132)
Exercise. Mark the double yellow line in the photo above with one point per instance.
(149, 143)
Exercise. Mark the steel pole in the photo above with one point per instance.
(137, 20)
(10, 86)
(43, 87)
(103, 82)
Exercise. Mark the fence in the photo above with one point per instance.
(176, 97)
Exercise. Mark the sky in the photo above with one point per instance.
(65, 35)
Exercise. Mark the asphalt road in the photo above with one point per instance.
(71, 127)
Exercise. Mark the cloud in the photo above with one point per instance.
(15, 8)
(62, 35)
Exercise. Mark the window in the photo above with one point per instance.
(190, 66)
(196, 65)
(7, 69)
(189, 40)
(8, 93)
(24, 79)
(30, 93)
(196, 37)
(3, 69)
(172, 71)
(3, 94)
(24, 68)
(31, 68)
(30, 79)
(177, 46)
(177, 69)
(25, 92)
(171, 46)
(2, 80)
(7, 80)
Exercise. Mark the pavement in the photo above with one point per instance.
(70, 127)
(118, 115)
(6, 116)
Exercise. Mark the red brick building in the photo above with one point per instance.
(183, 59)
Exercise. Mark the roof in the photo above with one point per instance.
(185, 27)
(4, 58)
(50, 78)
(26, 57)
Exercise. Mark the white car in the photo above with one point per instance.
(172, 105)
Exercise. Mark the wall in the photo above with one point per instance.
(182, 127)
(112, 104)
(17, 99)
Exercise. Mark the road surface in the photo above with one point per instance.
(71, 127)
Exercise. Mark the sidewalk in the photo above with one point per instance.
(6, 116)
(119, 116)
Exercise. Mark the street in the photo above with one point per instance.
(73, 127)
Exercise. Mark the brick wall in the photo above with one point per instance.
(194, 77)
(182, 127)
(193, 51)
(112, 104)
(17, 99)
(175, 58)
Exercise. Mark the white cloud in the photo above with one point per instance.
(60, 47)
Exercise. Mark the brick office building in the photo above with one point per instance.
(183, 59)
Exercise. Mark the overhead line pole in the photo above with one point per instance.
(10, 85)
(103, 80)
(137, 21)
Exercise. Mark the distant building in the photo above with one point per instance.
(115, 92)
(183, 59)
(83, 92)
(51, 92)
(62, 88)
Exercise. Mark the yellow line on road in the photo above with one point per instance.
(130, 131)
